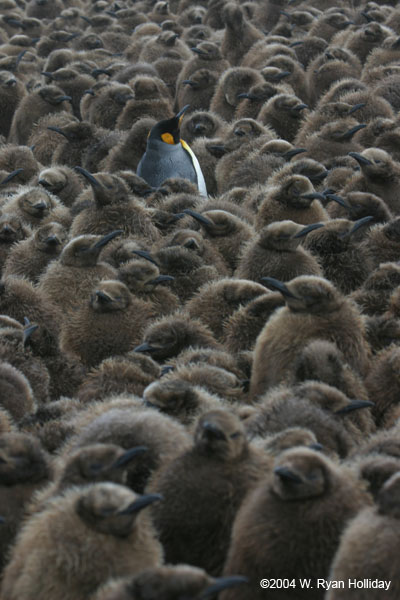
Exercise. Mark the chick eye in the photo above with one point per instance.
(235, 435)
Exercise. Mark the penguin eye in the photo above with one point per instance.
(239, 132)
(235, 435)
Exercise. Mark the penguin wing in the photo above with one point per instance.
(201, 184)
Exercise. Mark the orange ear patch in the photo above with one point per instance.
(168, 138)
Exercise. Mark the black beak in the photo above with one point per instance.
(107, 238)
(307, 229)
(11, 176)
(275, 284)
(357, 107)
(188, 82)
(103, 298)
(145, 348)
(198, 217)
(52, 240)
(92, 180)
(360, 159)
(212, 431)
(141, 503)
(287, 475)
(127, 456)
(354, 405)
(161, 279)
(360, 223)
(290, 153)
(349, 134)
(28, 331)
(338, 199)
(198, 51)
(58, 130)
(317, 447)
(222, 583)
(145, 255)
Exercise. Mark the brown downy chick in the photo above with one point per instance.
(329, 23)
(93, 463)
(129, 150)
(12, 230)
(304, 488)
(215, 302)
(207, 56)
(291, 199)
(102, 520)
(380, 175)
(202, 124)
(24, 468)
(322, 361)
(243, 327)
(296, 75)
(36, 206)
(373, 296)
(126, 423)
(333, 140)
(220, 229)
(69, 280)
(382, 383)
(379, 526)
(208, 356)
(167, 337)
(233, 82)
(290, 438)
(128, 374)
(177, 581)
(151, 99)
(198, 90)
(314, 309)
(143, 280)
(324, 72)
(76, 140)
(280, 408)
(239, 34)
(15, 392)
(344, 262)
(368, 37)
(90, 332)
(382, 243)
(284, 113)
(36, 104)
(12, 91)
(181, 400)
(113, 205)
(220, 456)
(62, 181)
(357, 205)
(45, 141)
(253, 100)
(277, 253)
(214, 379)
(29, 258)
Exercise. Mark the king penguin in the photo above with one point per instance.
(168, 156)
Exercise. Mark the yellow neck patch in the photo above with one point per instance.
(168, 138)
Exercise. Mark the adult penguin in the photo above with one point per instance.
(168, 156)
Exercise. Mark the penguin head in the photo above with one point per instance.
(168, 130)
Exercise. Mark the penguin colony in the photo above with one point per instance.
(199, 357)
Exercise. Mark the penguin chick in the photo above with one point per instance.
(36, 206)
(90, 332)
(220, 454)
(220, 227)
(373, 296)
(12, 230)
(334, 139)
(113, 205)
(343, 261)
(321, 360)
(128, 424)
(304, 487)
(379, 523)
(30, 257)
(207, 56)
(280, 408)
(290, 438)
(24, 469)
(181, 400)
(143, 280)
(12, 91)
(284, 114)
(129, 374)
(44, 141)
(168, 156)
(62, 181)
(293, 198)
(277, 253)
(69, 280)
(380, 175)
(198, 90)
(215, 302)
(315, 309)
(202, 123)
(234, 81)
(243, 327)
(367, 38)
(167, 337)
(383, 372)
(358, 205)
(169, 582)
(239, 33)
(38, 103)
(90, 464)
(102, 520)
(382, 242)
